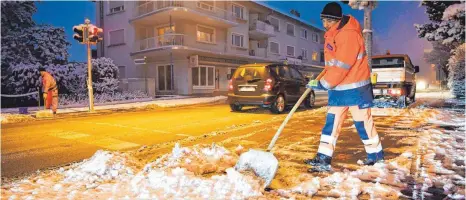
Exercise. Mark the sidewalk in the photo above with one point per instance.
(11, 115)
(162, 102)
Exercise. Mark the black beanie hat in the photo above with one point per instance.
(332, 11)
(41, 69)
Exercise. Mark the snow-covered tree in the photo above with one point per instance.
(42, 44)
(26, 44)
(456, 80)
(104, 75)
(24, 78)
(447, 22)
(71, 77)
(439, 56)
(17, 15)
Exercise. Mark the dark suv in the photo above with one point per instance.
(269, 85)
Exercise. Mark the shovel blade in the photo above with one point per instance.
(263, 164)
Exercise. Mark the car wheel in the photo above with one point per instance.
(236, 107)
(279, 105)
(310, 101)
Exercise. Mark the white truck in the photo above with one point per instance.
(396, 78)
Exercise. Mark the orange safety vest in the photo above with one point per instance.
(49, 85)
(347, 76)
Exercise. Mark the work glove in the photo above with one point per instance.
(315, 85)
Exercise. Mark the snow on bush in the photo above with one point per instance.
(104, 75)
(456, 80)
(24, 78)
(452, 11)
(82, 98)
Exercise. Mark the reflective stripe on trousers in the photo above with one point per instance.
(364, 125)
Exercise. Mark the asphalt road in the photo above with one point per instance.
(147, 134)
(30, 146)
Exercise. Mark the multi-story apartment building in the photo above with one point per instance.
(192, 47)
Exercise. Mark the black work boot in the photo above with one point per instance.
(320, 163)
(374, 158)
(371, 162)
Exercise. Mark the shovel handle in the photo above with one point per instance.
(295, 107)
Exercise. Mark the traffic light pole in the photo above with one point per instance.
(89, 65)
(89, 80)
(88, 34)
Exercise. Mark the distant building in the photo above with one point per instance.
(438, 79)
(192, 47)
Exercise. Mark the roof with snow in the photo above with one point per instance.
(289, 15)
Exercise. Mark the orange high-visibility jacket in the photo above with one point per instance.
(49, 84)
(347, 76)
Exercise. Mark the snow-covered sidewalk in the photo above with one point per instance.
(10, 115)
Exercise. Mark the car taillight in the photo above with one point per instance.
(230, 84)
(268, 84)
(394, 91)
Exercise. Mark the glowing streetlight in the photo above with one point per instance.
(421, 85)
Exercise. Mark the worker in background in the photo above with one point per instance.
(50, 90)
(347, 79)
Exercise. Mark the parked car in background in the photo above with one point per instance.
(270, 85)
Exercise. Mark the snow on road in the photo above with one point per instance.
(432, 165)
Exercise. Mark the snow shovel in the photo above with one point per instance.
(45, 113)
(264, 163)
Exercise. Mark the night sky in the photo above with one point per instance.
(392, 23)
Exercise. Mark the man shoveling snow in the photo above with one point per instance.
(347, 79)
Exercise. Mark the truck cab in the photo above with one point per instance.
(396, 78)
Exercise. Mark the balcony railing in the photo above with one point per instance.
(159, 41)
(153, 6)
(262, 26)
(192, 42)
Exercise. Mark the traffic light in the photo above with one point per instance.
(95, 34)
(80, 35)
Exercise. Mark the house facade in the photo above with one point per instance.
(193, 47)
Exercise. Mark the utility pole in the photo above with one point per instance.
(368, 32)
(368, 6)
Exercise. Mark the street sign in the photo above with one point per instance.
(140, 61)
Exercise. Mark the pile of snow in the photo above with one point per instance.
(102, 166)
(6, 118)
(200, 159)
(183, 102)
(111, 175)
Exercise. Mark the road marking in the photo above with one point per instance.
(69, 135)
(124, 126)
(103, 142)
(113, 144)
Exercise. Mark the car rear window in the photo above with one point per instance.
(249, 73)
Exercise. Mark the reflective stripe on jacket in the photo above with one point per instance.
(348, 75)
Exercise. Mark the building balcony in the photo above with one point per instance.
(260, 30)
(156, 12)
(185, 45)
